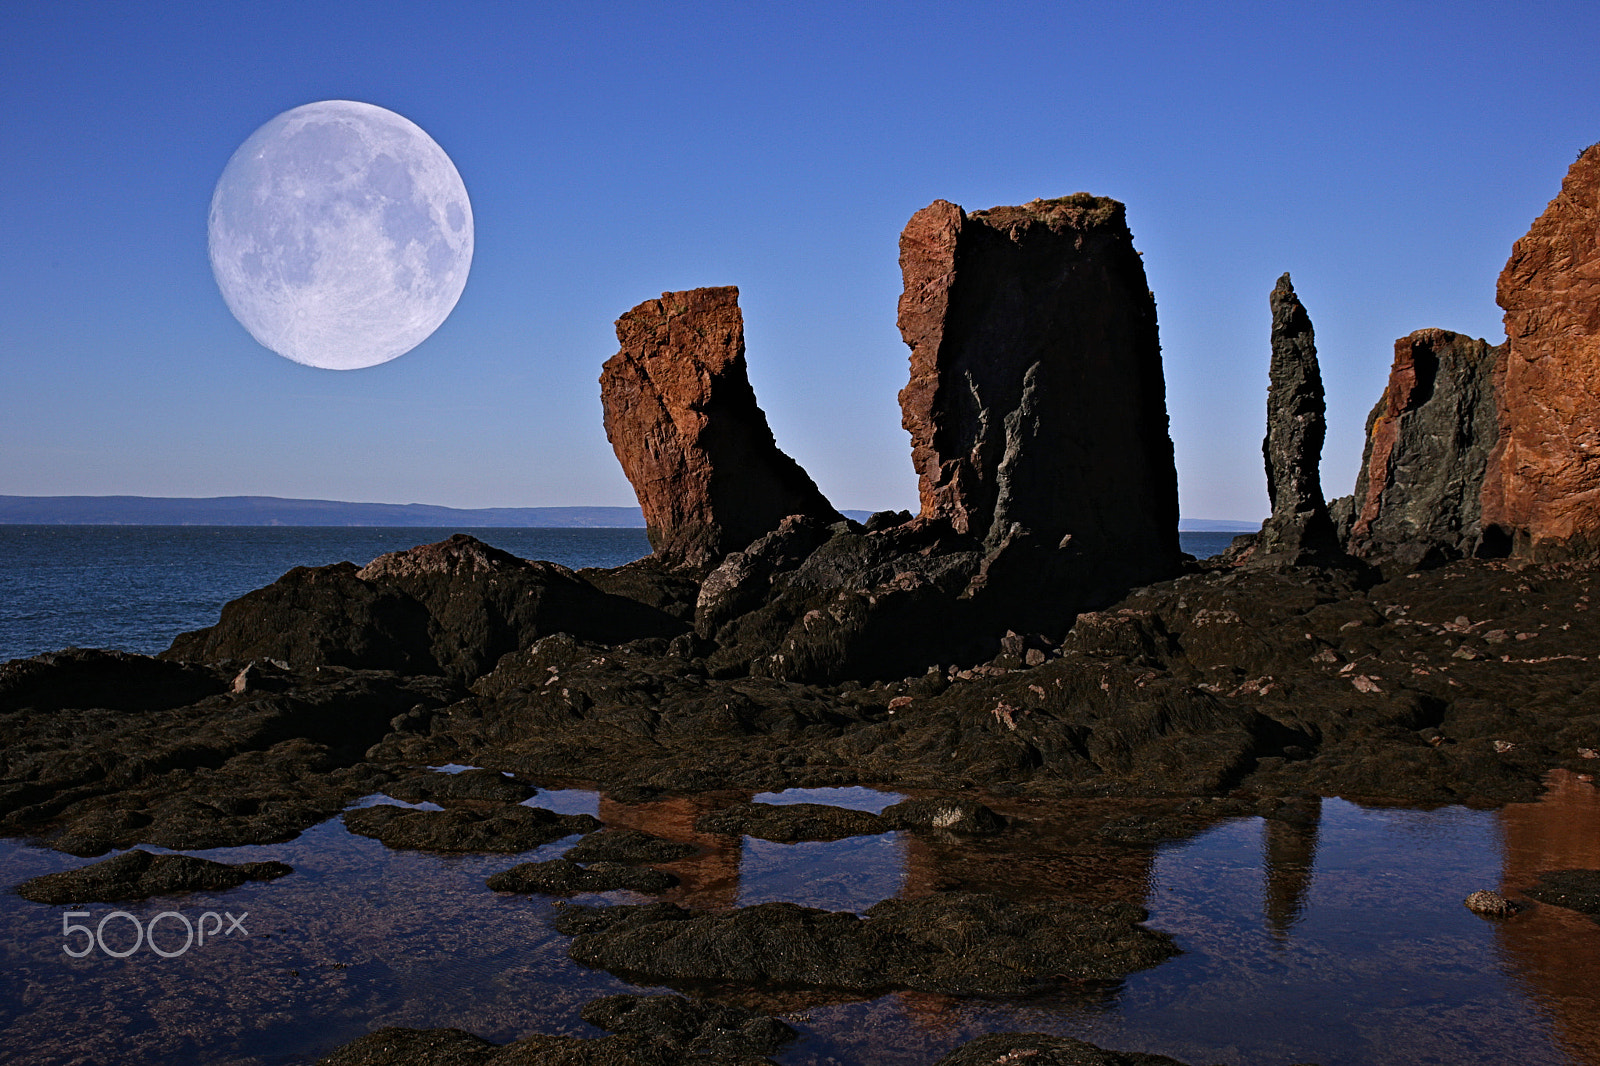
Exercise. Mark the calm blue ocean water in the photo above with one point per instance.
(136, 587)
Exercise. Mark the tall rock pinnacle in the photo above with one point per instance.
(1036, 401)
(684, 422)
(1299, 527)
(1542, 489)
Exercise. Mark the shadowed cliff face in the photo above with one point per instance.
(684, 422)
(1543, 481)
(1419, 493)
(1036, 396)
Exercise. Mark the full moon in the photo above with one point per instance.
(340, 235)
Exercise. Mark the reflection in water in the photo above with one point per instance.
(1554, 951)
(1338, 939)
(1290, 855)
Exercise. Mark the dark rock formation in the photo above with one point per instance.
(86, 677)
(1542, 491)
(247, 767)
(965, 816)
(1007, 948)
(787, 823)
(1041, 1049)
(1036, 403)
(654, 1030)
(477, 785)
(449, 608)
(563, 877)
(627, 846)
(510, 829)
(683, 420)
(1299, 529)
(1419, 494)
(1577, 890)
(689, 1024)
(140, 875)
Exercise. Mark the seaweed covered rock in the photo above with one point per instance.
(1042, 1049)
(647, 1030)
(1419, 495)
(451, 608)
(476, 785)
(787, 823)
(1577, 890)
(1541, 493)
(684, 422)
(509, 829)
(140, 874)
(627, 846)
(1008, 947)
(1036, 402)
(689, 1025)
(236, 767)
(563, 877)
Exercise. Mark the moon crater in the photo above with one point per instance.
(340, 235)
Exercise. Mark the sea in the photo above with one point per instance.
(135, 588)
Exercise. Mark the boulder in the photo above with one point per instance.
(684, 422)
(1036, 402)
(451, 608)
(1542, 489)
(1419, 495)
(1299, 529)
(141, 874)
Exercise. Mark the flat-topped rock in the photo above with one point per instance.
(1036, 401)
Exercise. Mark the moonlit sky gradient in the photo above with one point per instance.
(1387, 155)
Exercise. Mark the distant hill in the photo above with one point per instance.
(1216, 525)
(274, 511)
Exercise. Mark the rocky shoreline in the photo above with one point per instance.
(1033, 634)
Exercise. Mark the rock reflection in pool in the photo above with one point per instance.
(1340, 940)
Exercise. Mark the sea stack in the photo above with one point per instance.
(684, 422)
(1419, 493)
(1542, 489)
(1299, 530)
(1036, 402)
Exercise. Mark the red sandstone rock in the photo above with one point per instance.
(1543, 483)
(683, 420)
(1036, 396)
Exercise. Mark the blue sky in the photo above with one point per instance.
(1386, 155)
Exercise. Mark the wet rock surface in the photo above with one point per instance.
(954, 943)
(563, 877)
(141, 874)
(475, 785)
(627, 846)
(510, 829)
(689, 1025)
(249, 767)
(790, 822)
(1040, 1049)
(1577, 890)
